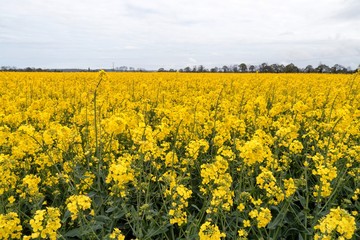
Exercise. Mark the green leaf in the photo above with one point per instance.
(273, 224)
(111, 209)
(300, 237)
(66, 216)
(194, 206)
(102, 218)
(302, 200)
(73, 233)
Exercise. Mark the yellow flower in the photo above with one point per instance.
(253, 152)
(10, 227)
(296, 147)
(253, 213)
(217, 182)
(266, 180)
(76, 203)
(45, 223)
(209, 231)
(290, 187)
(338, 222)
(242, 233)
(246, 223)
(121, 174)
(11, 199)
(264, 217)
(241, 207)
(116, 234)
(30, 185)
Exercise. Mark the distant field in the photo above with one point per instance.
(179, 156)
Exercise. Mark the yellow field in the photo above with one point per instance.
(179, 156)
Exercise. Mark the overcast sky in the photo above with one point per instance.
(179, 33)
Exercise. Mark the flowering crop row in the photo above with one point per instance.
(179, 156)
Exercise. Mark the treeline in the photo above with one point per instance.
(32, 69)
(241, 68)
(266, 68)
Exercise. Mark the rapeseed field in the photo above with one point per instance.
(179, 156)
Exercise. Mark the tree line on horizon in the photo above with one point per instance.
(240, 68)
(267, 68)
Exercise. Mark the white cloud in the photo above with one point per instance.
(162, 33)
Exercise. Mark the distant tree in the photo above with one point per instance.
(243, 67)
(291, 68)
(252, 68)
(123, 68)
(262, 67)
(187, 69)
(274, 68)
(214, 69)
(235, 68)
(201, 68)
(161, 70)
(265, 68)
(322, 68)
(281, 68)
(9, 68)
(309, 69)
(225, 68)
(337, 68)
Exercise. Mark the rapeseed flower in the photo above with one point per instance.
(210, 231)
(76, 204)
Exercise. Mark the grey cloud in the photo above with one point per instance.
(349, 10)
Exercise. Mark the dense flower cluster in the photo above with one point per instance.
(121, 174)
(210, 231)
(267, 181)
(10, 227)
(217, 184)
(45, 224)
(338, 224)
(76, 204)
(179, 156)
(262, 216)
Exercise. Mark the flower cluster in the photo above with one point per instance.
(10, 227)
(217, 182)
(76, 204)
(266, 180)
(338, 224)
(116, 234)
(263, 216)
(45, 224)
(210, 231)
(179, 195)
(120, 174)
